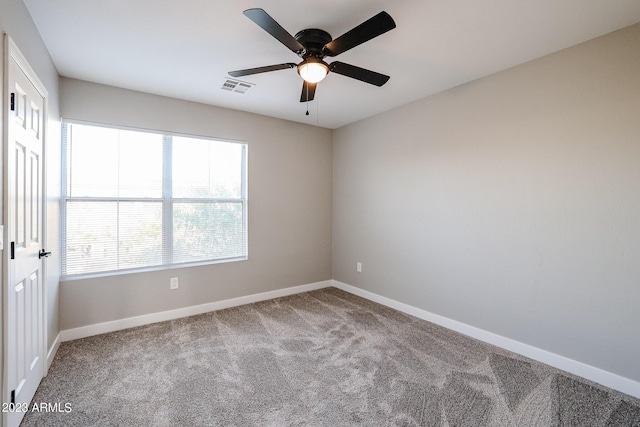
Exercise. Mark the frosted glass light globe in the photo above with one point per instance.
(313, 71)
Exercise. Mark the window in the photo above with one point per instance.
(136, 199)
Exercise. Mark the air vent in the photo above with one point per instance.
(232, 85)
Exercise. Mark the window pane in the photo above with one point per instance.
(93, 161)
(207, 169)
(109, 162)
(204, 231)
(92, 230)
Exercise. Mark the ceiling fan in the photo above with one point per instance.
(313, 45)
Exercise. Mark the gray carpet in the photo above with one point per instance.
(323, 358)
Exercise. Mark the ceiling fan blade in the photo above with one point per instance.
(258, 70)
(267, 23)
(358, 73)
(379, 24)
(308, 91)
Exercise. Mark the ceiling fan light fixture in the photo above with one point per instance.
(313, 70)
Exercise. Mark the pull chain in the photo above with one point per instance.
(306, 85)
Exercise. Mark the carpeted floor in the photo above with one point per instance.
(322, 358)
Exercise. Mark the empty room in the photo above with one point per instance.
(366, 213)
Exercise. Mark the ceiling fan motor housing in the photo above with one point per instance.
(313, 40)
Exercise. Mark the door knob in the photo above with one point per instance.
(43, 254)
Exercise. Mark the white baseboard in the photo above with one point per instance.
(52, 351)
(130, 322)
(607, 379)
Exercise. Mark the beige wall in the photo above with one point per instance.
(511, 203)
(16, 22)
(289, 184)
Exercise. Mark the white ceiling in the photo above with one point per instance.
(184, 48)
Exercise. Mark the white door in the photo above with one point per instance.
(24, 345)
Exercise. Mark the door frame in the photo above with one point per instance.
(13, 53)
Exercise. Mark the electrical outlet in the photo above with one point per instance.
(359, 267)
(174, 283)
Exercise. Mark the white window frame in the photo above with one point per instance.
(167, 203)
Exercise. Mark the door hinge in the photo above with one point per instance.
(13, 250)
(13, 101)
(13, 397)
